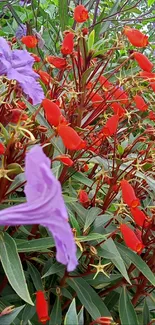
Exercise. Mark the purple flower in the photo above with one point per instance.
(24, 2)
(17, 65)
(44, 206)
(21, 31)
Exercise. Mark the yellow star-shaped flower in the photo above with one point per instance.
(100, 268)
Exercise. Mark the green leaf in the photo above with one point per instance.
(91, 216)
(89, 298)
(71, 316)
(63, 13)
(56, 314)
(91, 40)
(146, 314)
(126, 309)
(150, 2)
(138, 262)
(35, 275)
(81, 178)
(35, 245)
(110, 251)
(92, 236)
(55, 268)
(8, 319)
(81, 316)
(13, 267)
(106, 25)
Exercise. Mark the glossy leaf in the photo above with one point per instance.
(126, 309)
(9, 319)
(56, 314)
(71, 315)
(138, 262)
(88, 297)
(13, 267)
(35, 275)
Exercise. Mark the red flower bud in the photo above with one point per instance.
(30, 41)
(130, 238)
(68, 44)
(104, 82)
(2, 149)
(102, 321)
(83, 197)
(128, 194)
(52, 111)
(65, 160)
(96, 99)
(41, 307)
(111, 125)
(45, 77)
(152, 116)
(69, 137)
(143, 62)
(139, 217)
(85, 31)
(140, 103)
(135, 37)
(148, 76)
(59, 63)
(17, 115)
(80, 14)
(21, 105)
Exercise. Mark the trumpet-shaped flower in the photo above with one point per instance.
(44, 206)
(17, 65)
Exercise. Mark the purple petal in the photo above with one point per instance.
(21, 31)
(29, 85)
(45, 206)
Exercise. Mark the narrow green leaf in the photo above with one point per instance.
(8, 319)
(150, 2)
(138, 262)
(146, 314)
(81, 316)
(35, 245)
(91, 40)
(89, 298)
(13, 267)
(71, 316)
(35, 275)
(92, 236)
(91, 216)
(56, 314)
(106, 25)
(114, 255)
(63, 13)
(55, 268)
(126, 309)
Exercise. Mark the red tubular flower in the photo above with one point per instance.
(41, 307)
(2, 149)
(104, 82)
(52, 111)
(143, 61)
(118, 109)
(70, 138)
(21, 105)
(80, 14)
(68, 44)
(44, 76)
(59, 63)
(111, 126)
(83, 197)
(65, 160)
(96, 99)
(128, 194)
(130, 238)
(148, 76)
(140, 103)
(152, 84)
(139, 217)
(120, 95)
(102, 321)
(152, 116)
(30, 41)
(135, 37)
